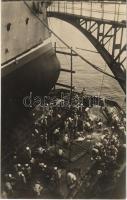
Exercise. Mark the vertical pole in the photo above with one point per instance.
(66, 6)
(81, 7)
(50, 7)
(54, 6)
(102, 6)
(121, 39)
(55, 53)
(90, 9)
(118, 12)
(114, 42)
(98, 31)
(73, 7)
(90, 14)
(71, 68)
(58, 6)
(115, 13)
(71, 78)
(103, 31)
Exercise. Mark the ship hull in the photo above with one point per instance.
(34, 73)
(29, 63)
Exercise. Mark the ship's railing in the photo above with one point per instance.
(99, 9)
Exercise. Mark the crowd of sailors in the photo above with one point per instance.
(33, 168)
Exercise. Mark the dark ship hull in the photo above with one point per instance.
(29, 63)
(37, 76)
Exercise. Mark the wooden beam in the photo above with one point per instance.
(66, 53)
(67, 70)
(64, 85)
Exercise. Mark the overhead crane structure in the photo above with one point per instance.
(99, 30)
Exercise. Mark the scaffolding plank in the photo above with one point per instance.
(66, 53)
(64, 85)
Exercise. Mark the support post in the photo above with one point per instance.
(121, 40)
(102, 6)
(72, 7)
(91, 9)
(81, 8)
(71, 69)
(54, 88)
(58, 6)
(66, 6)
(98, 31)
(103, 31)
(114, 42)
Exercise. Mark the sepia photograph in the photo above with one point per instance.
(63, 99)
